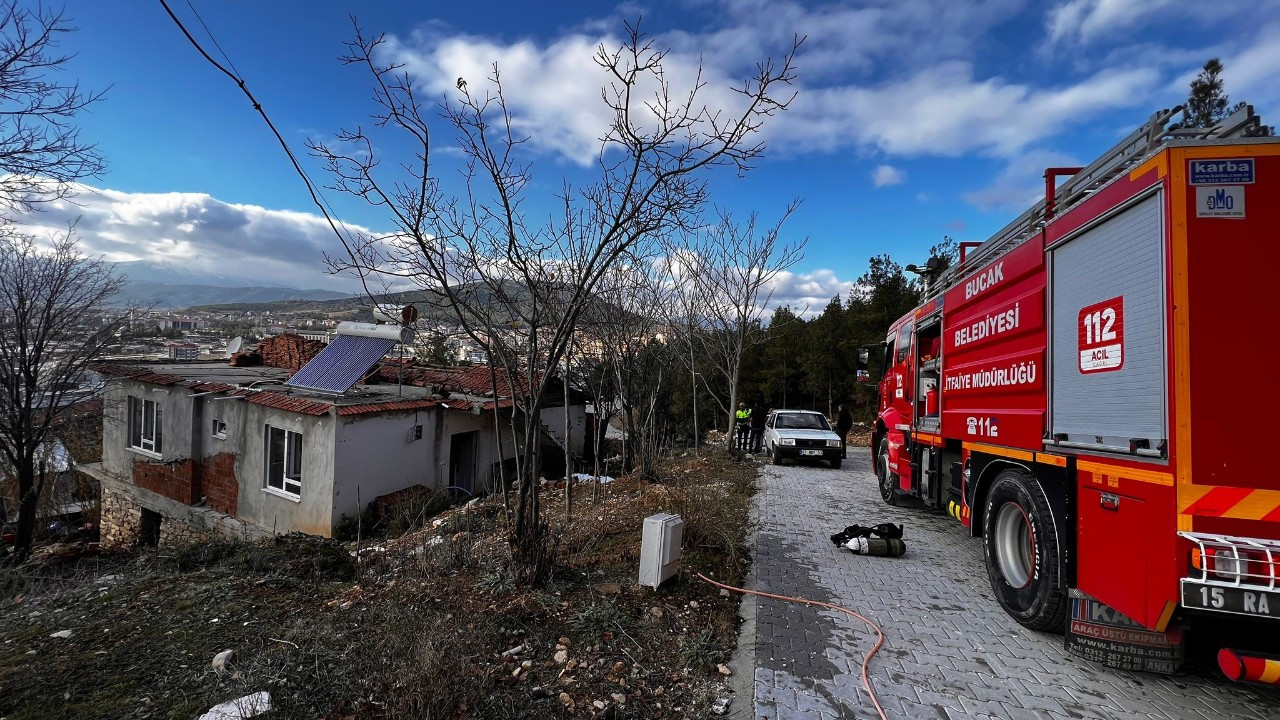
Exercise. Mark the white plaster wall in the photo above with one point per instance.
(375, 455)
(175, 421)
(246, 437)
(486, 448)
(187, 436)
(554, 418)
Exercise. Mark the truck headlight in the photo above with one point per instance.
(786, 441)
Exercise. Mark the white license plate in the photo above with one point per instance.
(813, 453)
(1258, 603)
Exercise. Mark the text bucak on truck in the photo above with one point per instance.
(1088, 391)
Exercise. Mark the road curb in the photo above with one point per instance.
(742, 683)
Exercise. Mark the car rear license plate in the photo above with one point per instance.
(1241, 601)
(811, 452)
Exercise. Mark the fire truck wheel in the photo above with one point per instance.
(1022, 552)
(888, 480)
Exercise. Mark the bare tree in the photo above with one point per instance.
(624, 323)
(728, 283)
(53, 323)
(517, 285)
(41, 152)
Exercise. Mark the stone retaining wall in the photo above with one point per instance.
(122, 518)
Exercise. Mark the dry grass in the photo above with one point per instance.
(421, 627)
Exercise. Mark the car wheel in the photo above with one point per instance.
(777, 456)
(1022, 552)
(835, 464)
(888, 479)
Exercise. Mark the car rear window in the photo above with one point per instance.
(802, 421)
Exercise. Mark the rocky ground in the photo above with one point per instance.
(435, 622)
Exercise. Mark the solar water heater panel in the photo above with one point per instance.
(341, 363)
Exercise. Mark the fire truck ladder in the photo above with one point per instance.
(1150, 137)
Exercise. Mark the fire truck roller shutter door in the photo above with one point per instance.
(1108, 344)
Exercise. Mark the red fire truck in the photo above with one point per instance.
(1089, 390)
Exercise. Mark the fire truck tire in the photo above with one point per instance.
(1022, 552)
(888, 480)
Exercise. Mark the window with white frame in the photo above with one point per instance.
(284, 461)
(219, 429)
(145, 420)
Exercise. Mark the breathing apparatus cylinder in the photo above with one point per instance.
(892, 547)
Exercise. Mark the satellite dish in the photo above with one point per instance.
(409, 314)
(234, 346)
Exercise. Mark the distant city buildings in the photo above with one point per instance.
(184, 351)
(170, 324)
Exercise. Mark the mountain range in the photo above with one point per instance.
(169, 285)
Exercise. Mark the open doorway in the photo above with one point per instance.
(149, 529)
(462, 461)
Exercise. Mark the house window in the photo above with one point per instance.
(284, 461)
(219, 429)
(145, 420)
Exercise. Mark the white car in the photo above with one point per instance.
(799, 434)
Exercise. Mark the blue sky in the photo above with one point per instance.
(915, 118)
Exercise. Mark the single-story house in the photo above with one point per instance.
(197, 449)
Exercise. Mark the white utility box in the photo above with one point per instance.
(660, 548)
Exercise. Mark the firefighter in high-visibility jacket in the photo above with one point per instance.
(743, 428)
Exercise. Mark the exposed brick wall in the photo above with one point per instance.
(186, 481)
(246, 359)
(221, 487)
(176, 480)
(288, 351)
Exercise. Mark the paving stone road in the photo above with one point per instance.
(950, 651)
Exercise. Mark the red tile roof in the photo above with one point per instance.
(137, 373)
(472, 380)
(387, 406)
(286, 402)
(210, 387)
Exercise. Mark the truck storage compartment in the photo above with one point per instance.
(1109, 381)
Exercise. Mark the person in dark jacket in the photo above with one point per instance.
(844, 421)
(757, 428)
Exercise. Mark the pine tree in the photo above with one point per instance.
(1207, 103)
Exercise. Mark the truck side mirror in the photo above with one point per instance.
(864, 356)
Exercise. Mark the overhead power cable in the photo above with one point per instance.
(316, 196)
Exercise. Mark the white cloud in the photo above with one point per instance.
(807, 293)
(552, 90)
(1250, 74)
(1021, 183)
(945, 111)
(202, 234)
(1085, 20)
(928, 98)
(841, 36)
(888, 175)
(1082, 22)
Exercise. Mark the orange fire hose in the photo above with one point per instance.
(866, 683)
